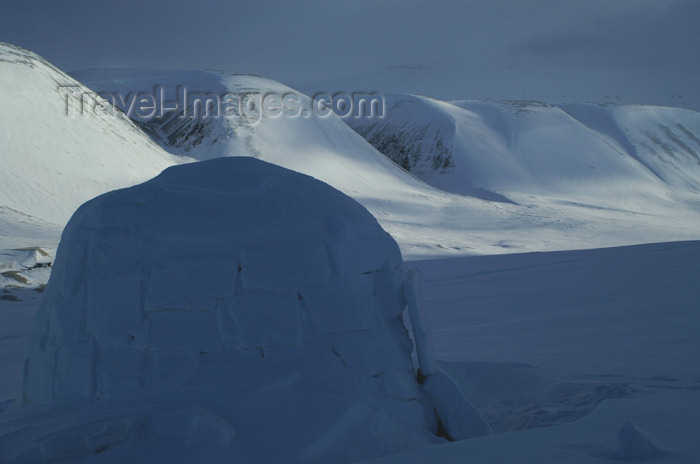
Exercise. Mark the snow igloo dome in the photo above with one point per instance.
(256, 293)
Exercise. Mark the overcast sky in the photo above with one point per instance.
(459, 49)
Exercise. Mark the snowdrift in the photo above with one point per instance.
(265, 303)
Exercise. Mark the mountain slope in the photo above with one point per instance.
(664, 140)
(323, 147)
(536, 178)
(582, 151)
(52, 161)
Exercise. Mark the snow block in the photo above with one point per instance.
(341, 306)
(114, 310)
(366, 252)
(400, 384)
(636, 444)
(372, 352)
(74, 369)
(420, 323)
(265, 319)
(388, 288)
(284, 266)
(180, 303)
(62, 447)
(75, 253)
(188, 276)
(112, 241)
(458, 417)
(118, 369)
(106, 434)
(165, 369)
(193, 427)
(184, 330)
(40, 369)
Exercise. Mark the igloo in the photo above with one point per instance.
(266, 308)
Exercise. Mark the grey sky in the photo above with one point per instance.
(635, 48)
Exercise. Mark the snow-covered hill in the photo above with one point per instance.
(421, 218)
(521, 177)
(609, 156)
(664, 140)
(321, 146)
(51, 162)
(571, 182)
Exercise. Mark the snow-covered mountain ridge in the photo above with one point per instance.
(52, 161)
(624, 157)
(507, 177)
(603, 153)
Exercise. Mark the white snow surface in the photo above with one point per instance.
(52, 162)
(630, 156)
(588, 356)
(584, 356)
(527, 176)
(264, 302)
